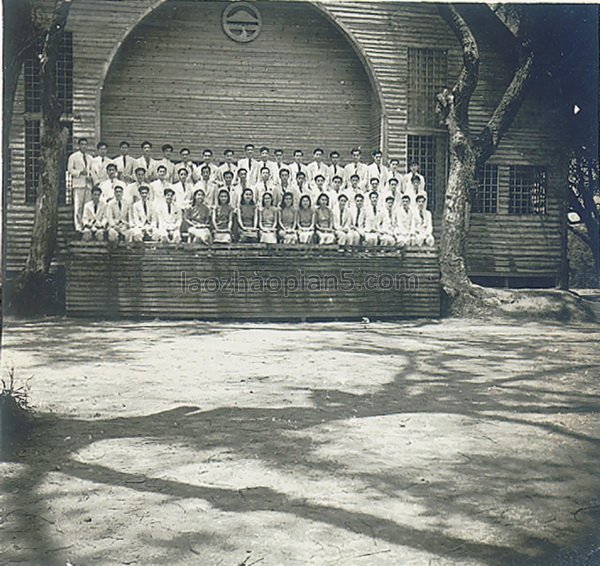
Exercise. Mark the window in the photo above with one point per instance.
(33, 109)
(527, 190)
(32, 155)
(64, 76)
(485, 197)
(32, 163)
(427, 76)
(422, 150)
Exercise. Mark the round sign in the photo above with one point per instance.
(242, 21)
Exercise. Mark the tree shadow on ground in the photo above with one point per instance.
(282, 438)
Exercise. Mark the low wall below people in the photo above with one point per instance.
(250, 282)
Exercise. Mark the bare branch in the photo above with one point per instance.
(580, 235)
(468, 77)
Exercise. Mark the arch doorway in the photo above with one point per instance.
(179, 78)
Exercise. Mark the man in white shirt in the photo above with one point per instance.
(335, 169)
(404, 222)
(342, 221)
(317, 167)
(356, 167)
(158, 186)
(267, 185)
(184, 161)
(79, 166)
(147, 161)
(422, 223)
(181, 188)
(297, 165)
(377, 169)
(143, 217)
(354, 188)
(132, 191)
(357, 228)
(168, 219)
(285, 185)
(279, 163)
(118, 213)
(250, 164)
(207, 183)
(266, 161)
(166, 161)
(229, 164)
(386, 223)
(207, 161)
(107, 186)
(100, 162)
(94, 217)
(394, 170)
(410, 178)
(125, 163)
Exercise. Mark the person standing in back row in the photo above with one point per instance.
(79, 166)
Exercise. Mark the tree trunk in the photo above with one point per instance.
(467, 153)
(33, 289)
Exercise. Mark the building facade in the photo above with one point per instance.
(318, 74)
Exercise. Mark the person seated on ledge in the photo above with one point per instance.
(306, 220)
(143, 217)
(324, 221)
(198, 218)
(342, 221)
(94, 217)
(168, 219)
(357, 227)
(118, 212)
(422, 223)
(404, 222)
(287, 220)
(371, 233)
(247, 218)
(267, 220)
(386, 223)
(222, 219)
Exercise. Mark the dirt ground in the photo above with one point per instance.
(418, 443)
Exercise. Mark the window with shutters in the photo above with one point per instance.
(427, 76)
(422, 150)
(527, 190)
(485, 197)
(33, 109)
(64, 76)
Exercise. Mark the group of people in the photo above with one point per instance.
(253, 199)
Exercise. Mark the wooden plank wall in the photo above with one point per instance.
(185, 282)
(298, 84)
(383, 32)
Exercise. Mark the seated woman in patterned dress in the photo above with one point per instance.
(324, 221)
(267, 220)
(306, 221)
(222, 219)
(287, 220)
(198, 217)
(247, 217)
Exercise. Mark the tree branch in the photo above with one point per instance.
(491, 134)
(467, 80)
(580, 235)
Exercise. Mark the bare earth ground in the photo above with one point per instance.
(419, 443)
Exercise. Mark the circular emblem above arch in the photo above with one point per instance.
(241, 22)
